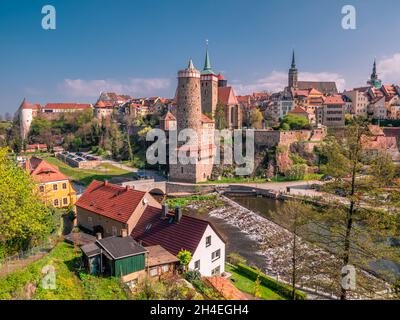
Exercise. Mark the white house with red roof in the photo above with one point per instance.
(114, 210)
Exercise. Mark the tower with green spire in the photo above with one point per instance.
(209, 87)
(375, 81)
(293, 74)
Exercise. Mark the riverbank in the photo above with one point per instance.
(268, 245)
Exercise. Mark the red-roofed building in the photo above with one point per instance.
(112, 207)
(233, 111)
(332, 112)
(114, 210)
(55, 187)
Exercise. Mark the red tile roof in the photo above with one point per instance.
(226, 95)
(104, 104)
(27, 105)
(174, 236)
(67, 106)
(336, 99)
(111, 201)
(298, 109)
(206, 119)
(43, 172)
(168, 116)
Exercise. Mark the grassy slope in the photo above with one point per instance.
(104, 172)
(69, 286)
(245, 284)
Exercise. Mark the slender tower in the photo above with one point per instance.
(375, 81)
(293, 74)
(188, 113)
(188, 116)
(209, 87)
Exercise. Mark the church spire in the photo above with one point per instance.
(374, 75)
(293, 61)
(207, 64)
(375, 81)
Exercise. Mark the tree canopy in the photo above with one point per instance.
(24, 219)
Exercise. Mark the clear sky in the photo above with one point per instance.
(137, 46)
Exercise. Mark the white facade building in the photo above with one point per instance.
(209, 256)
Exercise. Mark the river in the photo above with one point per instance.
(251, 232)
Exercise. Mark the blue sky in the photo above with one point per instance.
(137, 46)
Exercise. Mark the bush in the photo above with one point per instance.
(235, 258)
(296, 172)
(278, 287)
(192, 275)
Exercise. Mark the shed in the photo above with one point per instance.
(116, 256)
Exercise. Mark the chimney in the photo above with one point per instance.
(164, 211)
(98, 235)
(124, 233)
(178, 214)
(106, 182)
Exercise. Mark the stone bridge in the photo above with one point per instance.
(148, 185)
(166, 187)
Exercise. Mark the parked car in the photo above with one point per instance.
(326, 177)
(80, 154)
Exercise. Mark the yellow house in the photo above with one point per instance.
(55, 187)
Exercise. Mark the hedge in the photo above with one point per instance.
(278, 287)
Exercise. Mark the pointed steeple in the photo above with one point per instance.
(374, 75)
(293, 61)
(207, 64)
(190, 64)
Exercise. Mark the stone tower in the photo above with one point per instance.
(188, 112)
(189, 116)
(293, 74)
(209, 88)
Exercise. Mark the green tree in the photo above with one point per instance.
(354, 229)
(256, 119)
(24, 219)
(220, 120)
(294, 122)
(184, 257)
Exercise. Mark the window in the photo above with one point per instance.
(65, 201)
(216, 255)
(153, 272)
(56, 202)
(208, 241)
(216, 271)
(114, 230)
(64, 186)
(41, 188)
(197, 265)
(55, 187)
(90, 220)
(165, 268)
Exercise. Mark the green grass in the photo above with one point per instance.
(243, 283)
(85, 176)
(184, 201)
(307, 177)
(69, 286)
